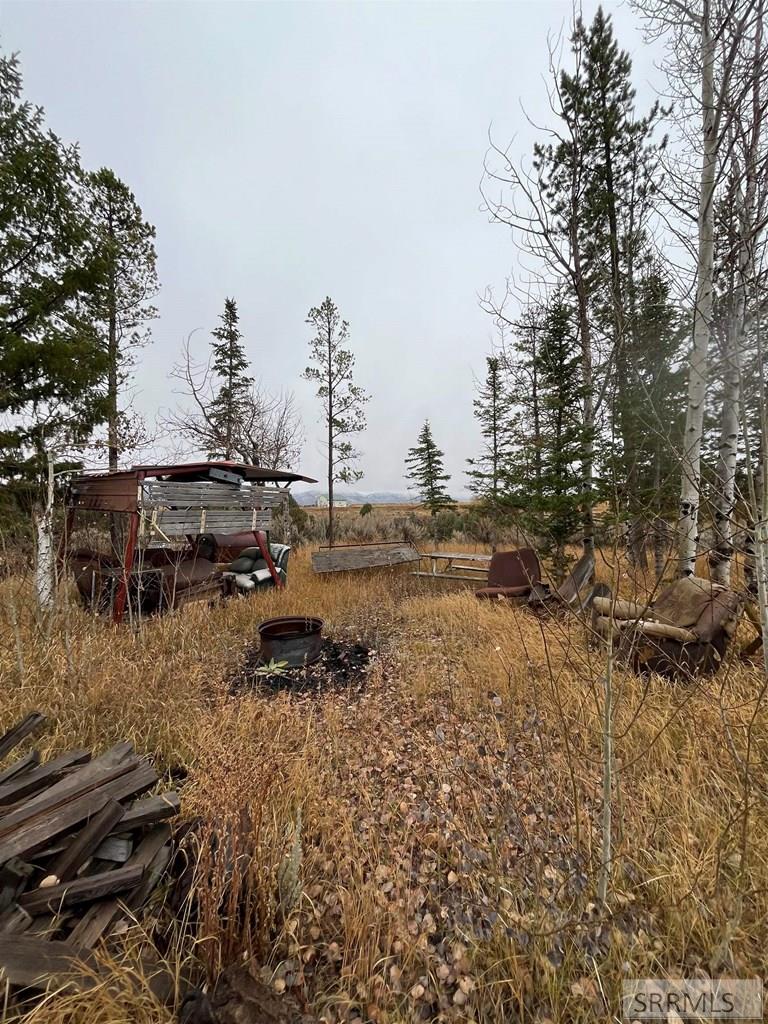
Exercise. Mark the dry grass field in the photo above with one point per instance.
(425, 848)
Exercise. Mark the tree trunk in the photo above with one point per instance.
(536, 416)
(660, 525)
(113, 437)
(588, 445)
(750, 539)
(606, 847)
(330, 441)
(725, 498)
(112, 351)
(628, 464)
(688, 522)
(45, 569)
(636, 543)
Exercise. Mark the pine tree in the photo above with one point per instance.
(51, 363)
(122, 304)
(596, 183)
(489, 473)
(229, 365)
(620, 183)
(342, 400)
(424, 468)
(558, 507)
(522, 367)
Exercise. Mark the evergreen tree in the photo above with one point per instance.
(51, 363)
(489, 473)
(342, 400)
(619, 186)
(655, 418)
(232, 396)
(544, 487)
(522, 367)
(424, 468)
(597, 181)
(121, 305)
(558, 506)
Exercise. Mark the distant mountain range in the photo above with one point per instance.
(361, 497)
(356, 497)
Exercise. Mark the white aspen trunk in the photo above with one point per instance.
(725, 498)
(44, 562)
(606, 849)
(750, 539)
(761, 551)
(688, 523)
(751, 210)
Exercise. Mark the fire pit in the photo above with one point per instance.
(295, 640)
(293, 655)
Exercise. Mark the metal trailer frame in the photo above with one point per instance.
(172, 500)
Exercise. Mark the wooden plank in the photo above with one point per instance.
(20, 731)
(182, 523)
(113, 763)
(66, 865)
(14, 876)
(114, 848)
(371, 556)
(81, 890)
(446, 576)
(98, 918)
(208, 495)
(24, 764)
(139, 896)
(46, 925)
(33, 962)
(37, 832)
(15, 920)
(41, 777)
(150, 810)
(467, 556)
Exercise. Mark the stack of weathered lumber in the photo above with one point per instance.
(78, 851)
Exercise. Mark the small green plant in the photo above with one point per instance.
(272, 668)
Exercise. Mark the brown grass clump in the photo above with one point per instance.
(426, 849)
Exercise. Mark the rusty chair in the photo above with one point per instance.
(683, 633)
(511, 575)
(569, 593)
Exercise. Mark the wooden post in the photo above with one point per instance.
(122, 590)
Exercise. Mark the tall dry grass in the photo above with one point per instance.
(442, 826)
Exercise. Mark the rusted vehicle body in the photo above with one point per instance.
(172, 532)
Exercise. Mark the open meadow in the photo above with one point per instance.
(424, 846)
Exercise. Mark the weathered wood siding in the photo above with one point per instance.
(344, 559)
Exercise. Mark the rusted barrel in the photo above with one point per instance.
(293, 639)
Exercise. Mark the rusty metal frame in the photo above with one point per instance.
(119, 493)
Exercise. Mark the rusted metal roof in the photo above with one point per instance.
(119, 491)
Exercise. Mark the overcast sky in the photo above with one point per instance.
(288, 151)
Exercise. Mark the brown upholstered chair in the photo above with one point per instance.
(685, 632)
(511, 575)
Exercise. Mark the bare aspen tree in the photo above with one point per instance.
(266, 430)
(747, 203)
(45, 569)
(706, 39)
